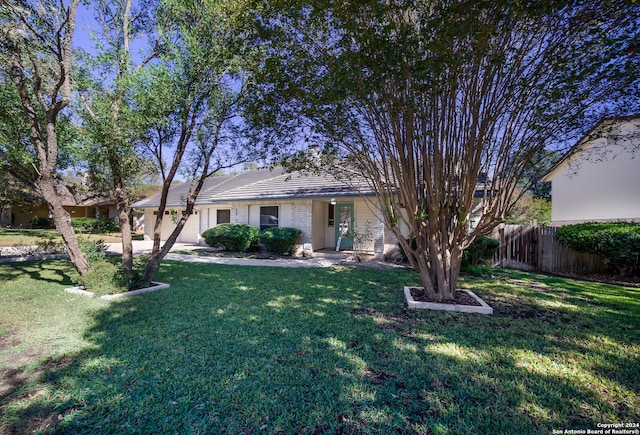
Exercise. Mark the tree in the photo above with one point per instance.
(36, 40)
(422, 98)
(192, 100)
(105, 81)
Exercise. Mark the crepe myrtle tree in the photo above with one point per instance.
(36, 40)
(425, 99)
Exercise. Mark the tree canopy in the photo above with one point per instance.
(438, 102)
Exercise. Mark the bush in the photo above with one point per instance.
(93, 252)
(41, 223)
(280, 241)
(104, 278)
(481, 249)
(233, 237)
(92, 225)
(618, 242)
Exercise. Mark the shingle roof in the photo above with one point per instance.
(261, 184)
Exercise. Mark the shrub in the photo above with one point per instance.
(104, 278)
(41, 223)
(93, 252)
(93, 225)
(481, 249)
(233, 237)
(280, 241)
(618, 242)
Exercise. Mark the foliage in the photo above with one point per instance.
(94, 225)
(527, 209)
(426, 99)
(94, 251)
(247, 342)
(479, 251)
(186, 96)
(533, 172)
(280, 240)
(36, 41)
(233, 237)
(618, 242)
(104, 278)
(41, 223)
(361, 239)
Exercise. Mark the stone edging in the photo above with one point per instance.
(38, 257)
(415, 305)
(81, 291)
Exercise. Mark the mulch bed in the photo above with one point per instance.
(461, 298)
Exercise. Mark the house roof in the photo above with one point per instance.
(261, 184)
(601, 125)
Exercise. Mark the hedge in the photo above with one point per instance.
(281, 240)
(41, 223)
(481, 249)
(94, 225)
(618, 242)
(233, 237)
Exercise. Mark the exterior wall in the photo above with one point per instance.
(23, 218)
(189, 234)
(291, 213)
(365, 218)
(309, 216)
(600, 183)
(319, 210)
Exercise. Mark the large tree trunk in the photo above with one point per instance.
(437, 264)
(62, 221)
(122, 206)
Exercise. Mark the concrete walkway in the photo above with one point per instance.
(141, 247)
(321, 260)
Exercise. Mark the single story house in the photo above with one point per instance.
(321, 206)
(20, 214)
(598, 179)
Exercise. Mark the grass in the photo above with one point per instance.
(231, 349)
(28, 237)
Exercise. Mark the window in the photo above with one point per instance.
(223, 216)
(268, 217)
(332, 215)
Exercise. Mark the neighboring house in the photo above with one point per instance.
(598, 180)
(321, 206)
(20, 215)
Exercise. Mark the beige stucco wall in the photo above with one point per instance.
(602, 182)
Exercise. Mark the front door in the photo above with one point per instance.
(344, 223)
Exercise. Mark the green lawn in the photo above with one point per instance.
(28, 237)
(245, 350)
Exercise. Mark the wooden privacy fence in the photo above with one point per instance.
(531, 247)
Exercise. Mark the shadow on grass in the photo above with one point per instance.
(247, 350)
(55, 271)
